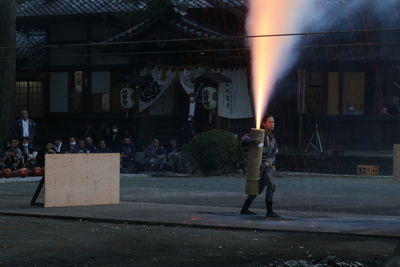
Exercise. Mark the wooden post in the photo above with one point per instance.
(7, 66)
(396, 162)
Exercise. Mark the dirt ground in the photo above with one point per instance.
(27, 241)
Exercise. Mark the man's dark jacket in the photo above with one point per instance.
(18, 130)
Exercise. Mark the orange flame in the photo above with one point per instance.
(271, 56)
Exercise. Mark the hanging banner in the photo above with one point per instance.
(187, 77)
(165, 103)
(233, 98)
(153, 86)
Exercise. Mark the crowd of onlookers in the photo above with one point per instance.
(18, 152)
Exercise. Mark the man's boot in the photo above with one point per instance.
(270, 212)
(245, 209)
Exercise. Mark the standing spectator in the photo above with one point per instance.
(28, 154)
(24, 127)
(80, 148)
(155, 156)
(103, 147)
(128, 151)
(59, 147)
(114, 139)
(72, 144)
(89, 144)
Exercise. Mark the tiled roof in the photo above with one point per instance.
(133, 30)
(30, 47)
(205, 3)
(30, 43)
(31, 8)
(195, 29)
(73, 7)
(185, 25)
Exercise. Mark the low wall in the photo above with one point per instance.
(81, 179)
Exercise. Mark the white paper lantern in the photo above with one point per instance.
(127, 97)
(209, 98)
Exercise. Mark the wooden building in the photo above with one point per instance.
(95, 48)
(88, 50)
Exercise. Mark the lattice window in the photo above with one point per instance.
(29, 96)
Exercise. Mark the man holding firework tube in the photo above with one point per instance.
(267, 168)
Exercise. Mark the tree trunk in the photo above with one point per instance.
(7, 66)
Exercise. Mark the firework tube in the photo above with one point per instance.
(254, 162)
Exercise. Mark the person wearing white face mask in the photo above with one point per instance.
(72, 144)
(115, 139)
(28, 153)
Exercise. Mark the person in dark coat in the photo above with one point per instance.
(48, 149)
(80, 148)
(155, 156)
(24, 127)
(267, 168)
(59, 147)
(103, 147)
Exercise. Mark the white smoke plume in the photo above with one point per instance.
(272, 57)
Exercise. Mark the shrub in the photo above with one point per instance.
(217, 150)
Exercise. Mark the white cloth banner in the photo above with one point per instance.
(187, 78)
(165, 103)
(153, 89)
(233, 98)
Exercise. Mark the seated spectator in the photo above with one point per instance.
(71, 145)
(48, 149)
(17, 152)
(103, 147)
(80, 148)
(394, 108)
(89, 144)
(59, 147)
(10, 160)
(173, 156)
(155, 156)
(128, 151)
(127, 133)
(28, 153)
(351, 110)
(6, 146)
(1, 156)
